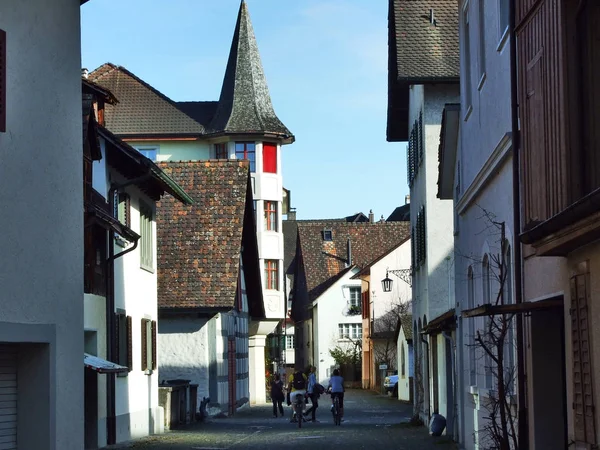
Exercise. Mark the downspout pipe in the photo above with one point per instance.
(426, 360)
(523, 428)
(454, 377)
(111, 419)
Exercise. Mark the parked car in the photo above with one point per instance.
(390, 384)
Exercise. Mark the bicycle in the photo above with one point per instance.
(337, 420)
(299, 408)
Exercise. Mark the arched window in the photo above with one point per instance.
(487, 299)
(509, 342)
(471, 328)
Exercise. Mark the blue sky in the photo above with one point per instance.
(326, 67)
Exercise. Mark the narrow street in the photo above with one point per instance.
(371, 421)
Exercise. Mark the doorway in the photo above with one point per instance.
(90, 386)
(548, 380)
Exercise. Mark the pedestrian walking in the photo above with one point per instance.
(277, 395)
(313, 393)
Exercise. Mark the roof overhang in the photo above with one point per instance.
(101, 365)
(167, 184)
(445, 322)
(447, 150)
(200, 312)
(105, 220)
(575, 226)
(513, 308)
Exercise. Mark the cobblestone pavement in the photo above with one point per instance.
(371, 422)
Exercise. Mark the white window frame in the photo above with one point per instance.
(466, 56)
(148, 148)
(482, 54)
(354, 301)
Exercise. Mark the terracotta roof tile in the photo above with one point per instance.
(325, 260)
(424, 51)
(142, 110)
(199, 245)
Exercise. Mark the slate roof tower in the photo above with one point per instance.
(245, 103)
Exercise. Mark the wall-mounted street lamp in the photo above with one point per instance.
(404, 274)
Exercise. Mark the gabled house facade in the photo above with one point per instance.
(209, 282)
(327, 303)
(242, 124)
(423, 71)
(404, 339)
(41, 197)
(381, 310)
(121, 187)
(475, 165)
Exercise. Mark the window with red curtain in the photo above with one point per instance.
(270, 216)
(2, 81)
(272, 274)
(269, 157)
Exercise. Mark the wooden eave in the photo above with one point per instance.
(574, 227)
(513, 308)
(445, 322)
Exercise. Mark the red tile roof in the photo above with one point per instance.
(199, 246)
(325, 260)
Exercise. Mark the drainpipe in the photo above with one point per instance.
(111, 419)
(426, 358)
(523, 429)
(454, 377)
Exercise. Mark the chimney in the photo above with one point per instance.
(84, 73)
(349, 250)
(291, 215)
(371, 216)
(382, 219)
(407, 199)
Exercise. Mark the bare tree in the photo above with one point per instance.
(384, 332)
(495, 342)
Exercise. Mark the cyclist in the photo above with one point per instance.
(336, 387)
(296, 386)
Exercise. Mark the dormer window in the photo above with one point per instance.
(327, 235)
(221, 151)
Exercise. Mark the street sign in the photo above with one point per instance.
(382, 366)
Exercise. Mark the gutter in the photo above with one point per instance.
(111, 419)
(523, 429)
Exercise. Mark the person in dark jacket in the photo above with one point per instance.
(277, 395)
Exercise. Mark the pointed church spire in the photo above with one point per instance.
(245, 104)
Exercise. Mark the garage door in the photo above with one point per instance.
(8, 397)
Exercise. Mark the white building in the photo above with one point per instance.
(238, 126)
(209, 283)
(327, 303)
(381, 309)
(423, 77)
(120, 284)
(476, 172)
(41, 319)
(404, 339)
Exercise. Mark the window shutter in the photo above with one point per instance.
(154, 345)
(269, 157)
(2, 81)
(144, 346)
(583, 397)
(129, 344)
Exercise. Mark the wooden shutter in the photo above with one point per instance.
(8, 396)
(2, 81)
(129, 344)
(269, 157)
(583, 396)
(154, 345)
(144, 346)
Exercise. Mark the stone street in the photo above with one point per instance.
(371, 421)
